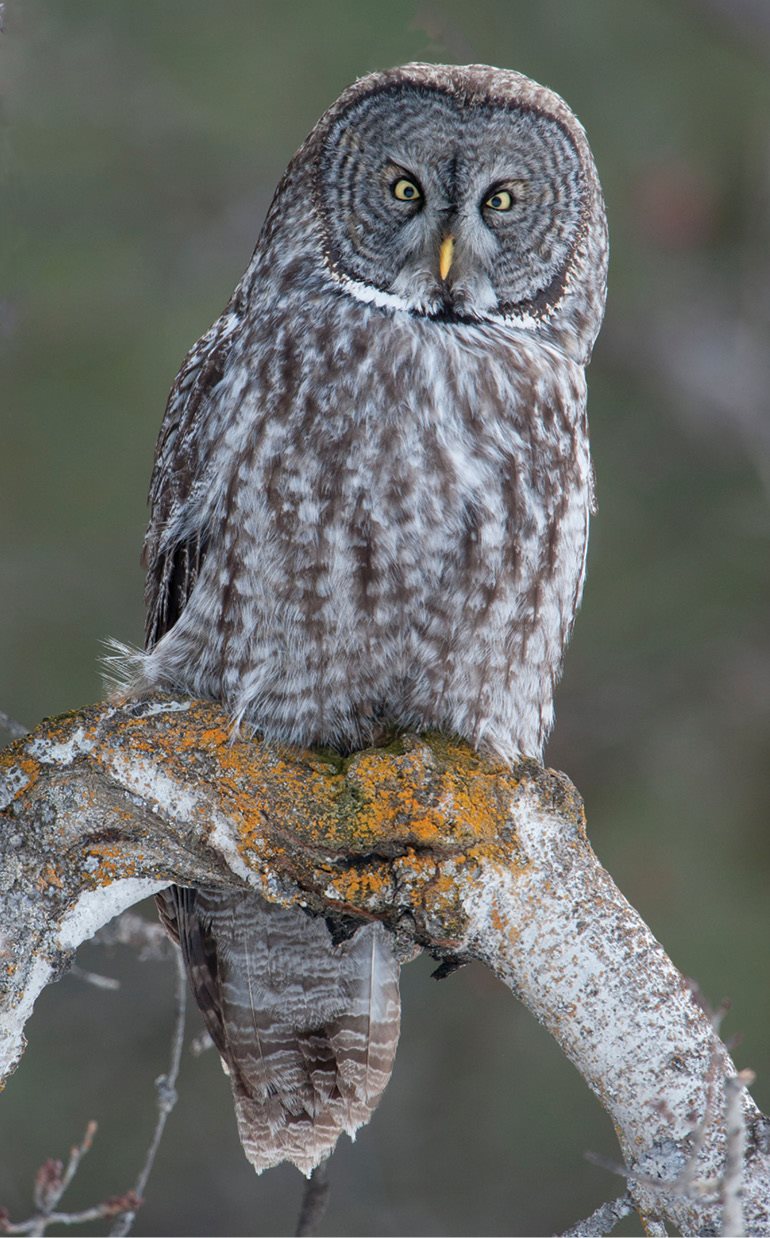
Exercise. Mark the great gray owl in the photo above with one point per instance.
(370, 508)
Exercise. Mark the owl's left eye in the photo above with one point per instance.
(406, 190)
(500, 200)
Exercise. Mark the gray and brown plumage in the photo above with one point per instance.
(370, 510)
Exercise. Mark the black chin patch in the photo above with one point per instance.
(448, 311)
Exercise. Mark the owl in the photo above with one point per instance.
(370, 509)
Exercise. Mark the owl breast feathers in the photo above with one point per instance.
(370, 507)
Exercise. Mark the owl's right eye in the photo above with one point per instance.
(406, 190)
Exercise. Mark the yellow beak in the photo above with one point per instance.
(445, 255)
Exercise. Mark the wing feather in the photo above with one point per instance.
(173, 565)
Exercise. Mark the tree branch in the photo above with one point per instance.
(51, 1182)
(315, 1197)
(462, 857)
(166, 1097)
(602, 1221)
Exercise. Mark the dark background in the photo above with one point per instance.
(142, 144)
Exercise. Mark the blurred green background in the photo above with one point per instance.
(141, 147)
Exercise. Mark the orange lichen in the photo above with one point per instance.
(433, 794)
(112, 869)
(355, 886)
(11, 760)
(498, 923)
(423, 814)
(49, 877)
(113, 862)
(436, 794)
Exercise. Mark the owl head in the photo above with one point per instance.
(460, 194)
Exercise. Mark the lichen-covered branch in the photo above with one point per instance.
(465, 858)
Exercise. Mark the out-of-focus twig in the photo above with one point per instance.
(131, 929)
(52, 1179)
(94, 978)
(726, 1188)
(735, 1137)
(7, 723)
(166, 1094)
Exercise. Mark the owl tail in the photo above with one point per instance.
(307, 1030)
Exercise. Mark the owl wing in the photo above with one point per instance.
(173, 563)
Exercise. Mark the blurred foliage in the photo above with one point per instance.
(142, 144)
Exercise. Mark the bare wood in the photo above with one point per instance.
(108, 804)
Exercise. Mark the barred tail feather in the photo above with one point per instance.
(365, 1037)
(307, 1030)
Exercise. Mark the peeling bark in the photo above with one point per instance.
(459, 856)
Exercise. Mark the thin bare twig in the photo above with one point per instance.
(314, 1201)
(167, 1096)
(728, 1187)
(97, 1213)
(604, 1219)
(685, 1182)
(149, 940)
(733, 1222)
(51, 1181)
(94, 978)
(50, 1188)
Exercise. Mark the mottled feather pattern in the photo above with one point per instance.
(375, 537)
(370, 510)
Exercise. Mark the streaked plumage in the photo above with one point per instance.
(370, 509)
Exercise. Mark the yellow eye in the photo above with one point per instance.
(406, 190)
(501, 200)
